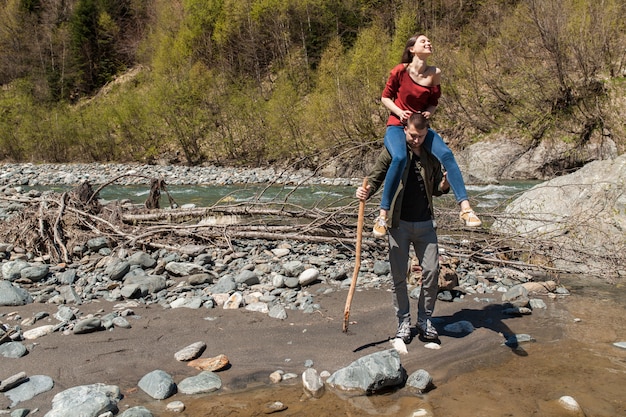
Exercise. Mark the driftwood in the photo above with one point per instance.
(52, 225)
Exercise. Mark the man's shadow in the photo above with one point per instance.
(491, 317)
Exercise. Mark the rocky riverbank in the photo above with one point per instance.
(127, 174)
(116, 324)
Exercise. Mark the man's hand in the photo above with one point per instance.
(363, 193)
(444, 185)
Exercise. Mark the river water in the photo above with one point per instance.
(484, 197)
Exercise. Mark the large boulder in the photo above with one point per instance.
(580, 218)
(507, 159)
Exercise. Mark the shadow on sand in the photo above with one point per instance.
(490, 317)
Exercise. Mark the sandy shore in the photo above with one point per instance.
(257, 345)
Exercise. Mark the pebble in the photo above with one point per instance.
(175, 406)
(276, 377)
(210, 364)
(569, 403)
(190, 352)
(274, 407)
(621, 345)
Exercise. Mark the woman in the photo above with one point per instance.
(414, 86)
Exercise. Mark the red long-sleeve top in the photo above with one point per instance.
(407, 94)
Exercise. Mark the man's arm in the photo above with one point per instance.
(377, 176)
(440, 184)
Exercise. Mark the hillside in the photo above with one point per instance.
(291, 82)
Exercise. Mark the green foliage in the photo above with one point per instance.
(269, 81)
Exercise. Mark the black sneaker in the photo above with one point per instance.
(427, 330)
(404, 332)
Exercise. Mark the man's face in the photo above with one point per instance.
(415, 137)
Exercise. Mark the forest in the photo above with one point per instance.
(296, 82)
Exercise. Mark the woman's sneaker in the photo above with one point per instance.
(380, 226)
(469, 218)
(427, 330)
(404, 332)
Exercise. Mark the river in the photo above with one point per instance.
(492, 197)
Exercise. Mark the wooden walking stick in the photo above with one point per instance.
(357, 263)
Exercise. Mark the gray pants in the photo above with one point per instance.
(424, 239)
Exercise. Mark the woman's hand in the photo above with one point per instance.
(426, 114)
(404, 115)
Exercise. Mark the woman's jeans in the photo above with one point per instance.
(395, 142)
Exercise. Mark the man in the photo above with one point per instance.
(411, 220)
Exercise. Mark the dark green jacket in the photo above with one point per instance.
(431, 172)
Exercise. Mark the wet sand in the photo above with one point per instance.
(474, 375)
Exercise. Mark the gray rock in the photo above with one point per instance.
(193, 250)
(420, 381)
(142, 259)
(225, 285)
(292, 282)
(182, 269)
(97, 243)
(87, 325)
(12, 270)
(203, 259)
(190, 352)
(138, 411)
(35, 385)
(158, 384)
(117, 269)
(312, 383)
(64, 313)
(11, 295)
(121, 322)
(202, 383)
(69, 294)
(517, 296)
(85, 401)
(187, 302)
(370, 373)
(13, 381)
(308, 276)
(553, 211)
(35, 273)
(278, 281)
(382, 268)
(537, 304)
(293, 268)
(248, 278)
(278, 312)
(258, 306)
(13, 350)
(6, 247)
(20, 412)
(200, 279)
(175, 407)
(485, 162)
(146, 284)
(67, 277)
(621, 345)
